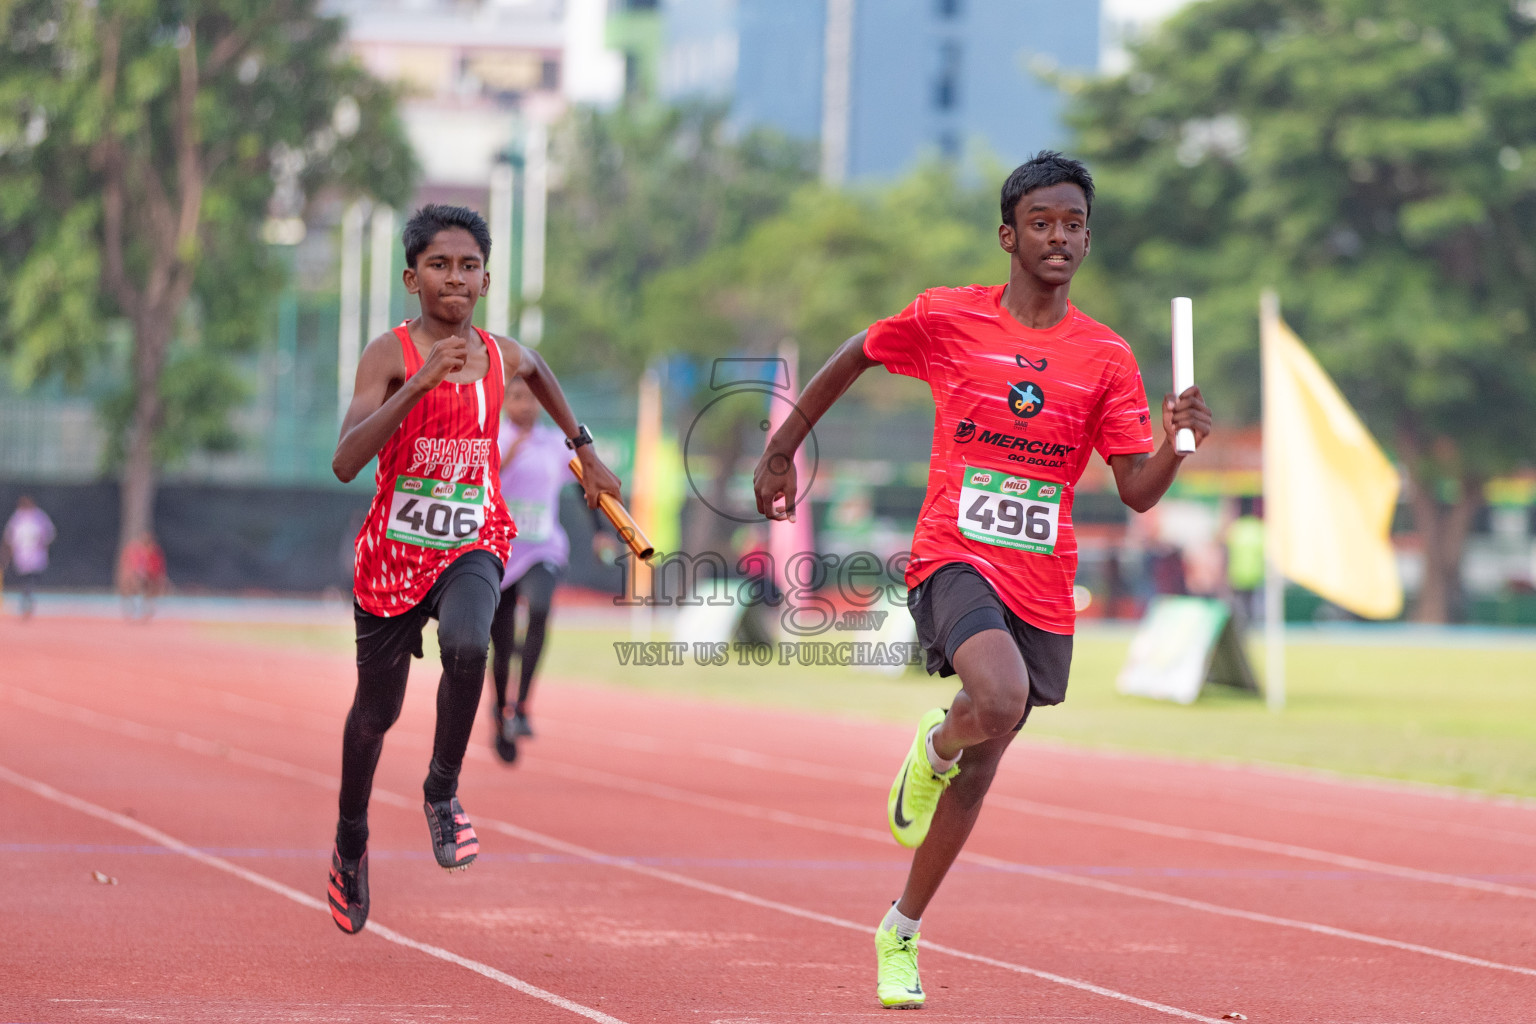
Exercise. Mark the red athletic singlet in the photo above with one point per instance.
(438, 489)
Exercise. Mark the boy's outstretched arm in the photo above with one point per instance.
(1143, 479)
(520, 361)
(774, 476)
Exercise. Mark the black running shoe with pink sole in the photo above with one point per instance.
(347, 892)
(453, 837)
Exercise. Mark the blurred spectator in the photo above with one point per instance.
(141, 576)
(1165, 565)
(1245, 561)
(28, 533)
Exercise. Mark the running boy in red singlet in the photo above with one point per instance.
(427, 403)
(1026, 386)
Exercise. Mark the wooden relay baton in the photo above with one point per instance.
(629, 530)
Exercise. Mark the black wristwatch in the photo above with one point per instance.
(583, 436)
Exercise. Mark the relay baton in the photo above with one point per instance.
(1183, 365)
(629, 530)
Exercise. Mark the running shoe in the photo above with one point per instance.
(917, 788)
(453, 837)
(347, 892)
(896, 982)
(505, 738)
(520, 723)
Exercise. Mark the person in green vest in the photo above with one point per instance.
(1245, 560)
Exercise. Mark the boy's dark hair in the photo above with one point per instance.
(426, 222)
(1044, 169)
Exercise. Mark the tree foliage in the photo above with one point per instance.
(1375, 161)
(643, 190)
(143, 143)
(831, 263)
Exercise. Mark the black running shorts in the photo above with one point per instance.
(955, 603)
(378, 634)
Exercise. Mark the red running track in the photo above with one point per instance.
(661, 860)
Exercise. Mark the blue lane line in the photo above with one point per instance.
(1090, 870)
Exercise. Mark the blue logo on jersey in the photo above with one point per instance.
(1025, 399)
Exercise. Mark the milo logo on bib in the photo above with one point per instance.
(1010, 511)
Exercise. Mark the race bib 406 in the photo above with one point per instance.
(1009, 511)
(434, 513)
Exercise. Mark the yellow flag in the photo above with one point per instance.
(1329, 492)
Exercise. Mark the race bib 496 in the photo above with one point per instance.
(1009, 511)
(435, 513)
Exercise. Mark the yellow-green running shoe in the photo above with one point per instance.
(917, 788)
(897, 983)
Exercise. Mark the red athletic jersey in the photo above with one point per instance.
(438, 489)
(1018, 412)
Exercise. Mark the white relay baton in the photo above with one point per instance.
(1183, 364)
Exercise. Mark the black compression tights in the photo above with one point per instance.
(464, 610)
(537, 587)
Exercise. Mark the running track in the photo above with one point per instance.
(647, 861)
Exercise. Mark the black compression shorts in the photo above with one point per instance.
(955, 603)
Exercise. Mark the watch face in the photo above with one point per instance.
(742, 416)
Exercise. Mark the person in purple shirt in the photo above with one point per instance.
(534, 467)
(28, 533)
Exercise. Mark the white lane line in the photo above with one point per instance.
(806, 769)
(297, 773)
(597, 777)
(1362, 786)
(646, 743)
(154, 835)
(1227, 839)
(837, 922)
(664, 792)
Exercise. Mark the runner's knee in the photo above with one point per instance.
(371, 719)
(999, 708)
(463, 646)
(464, 625)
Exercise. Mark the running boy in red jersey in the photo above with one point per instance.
(427, 403)
(1026, 387)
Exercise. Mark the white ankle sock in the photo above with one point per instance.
(936, 762)
(905, 926)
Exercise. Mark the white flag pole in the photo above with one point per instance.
(1274, 577)
(498, 298)
(530, 329)
(380, 266)
(348, 344)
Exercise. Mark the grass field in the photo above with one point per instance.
(1456, 715)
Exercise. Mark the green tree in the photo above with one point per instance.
(827, 266)
(645, 189)
(1376, 161)
(142, 145)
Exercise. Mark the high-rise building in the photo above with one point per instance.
(475, 71)
(879, 83)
